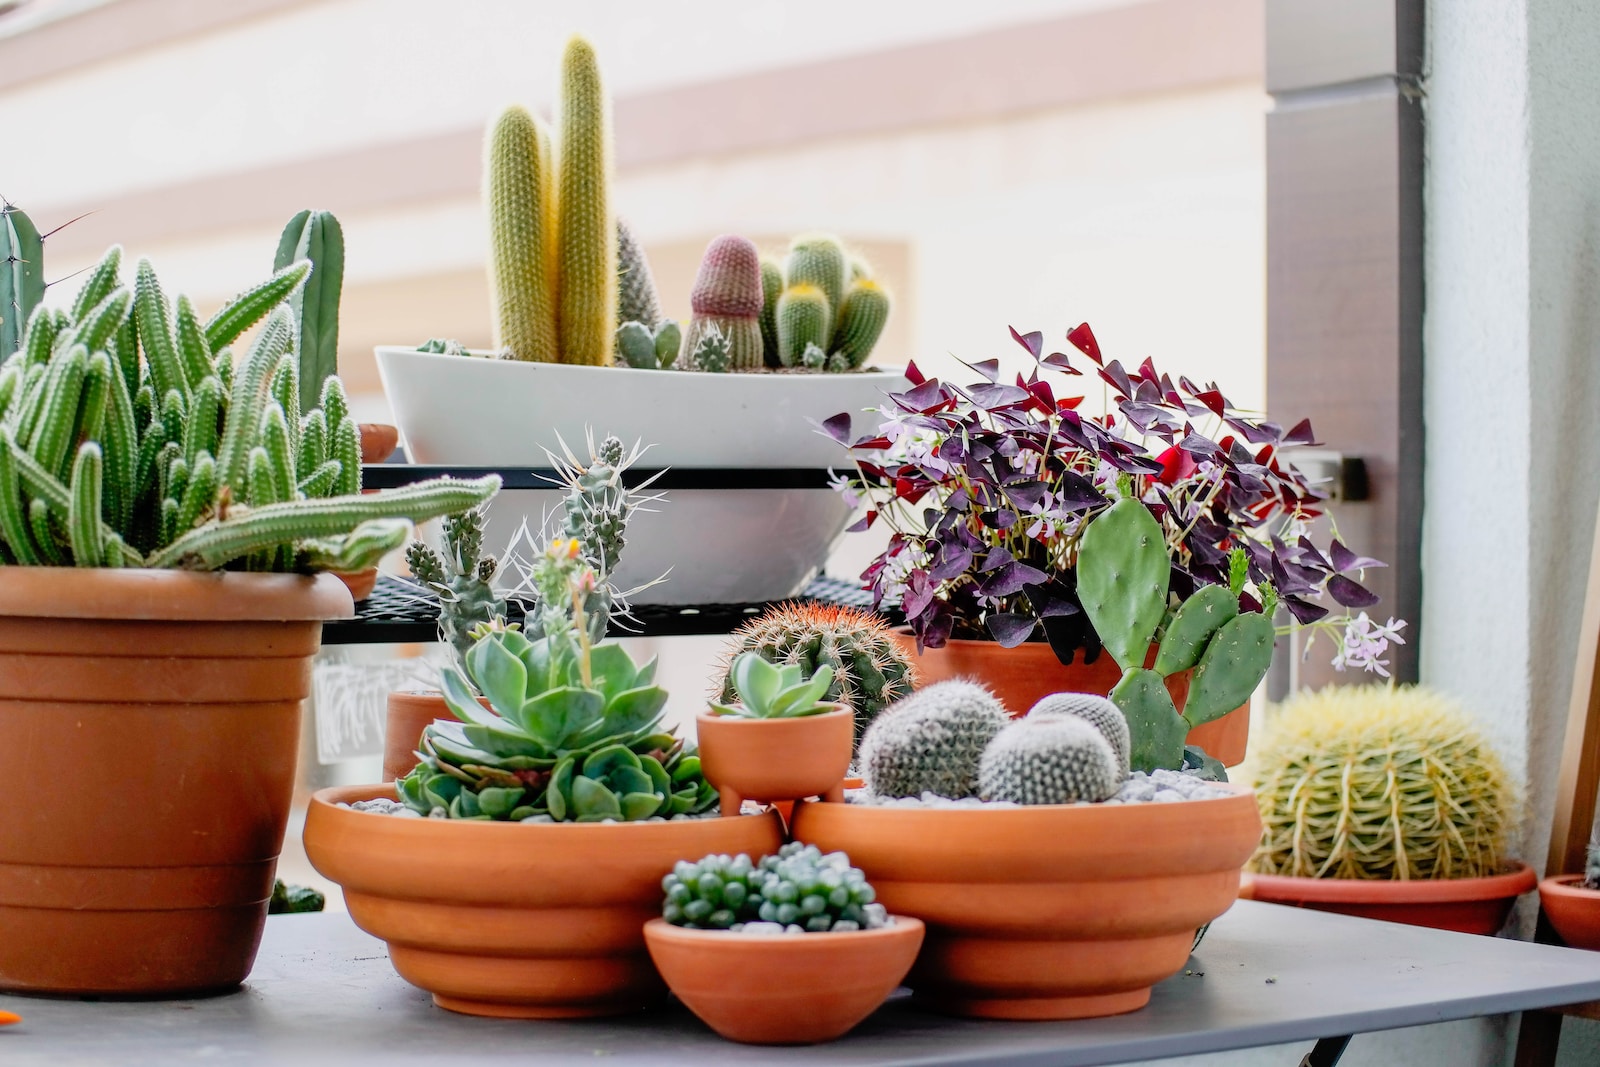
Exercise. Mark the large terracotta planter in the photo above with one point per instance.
(1021, 676)
(515, 919)
(1052, 911)
(783, 989)
(1573, 910)
(775, 759)
(149, 730)
(1466, 905)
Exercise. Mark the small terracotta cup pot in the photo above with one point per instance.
(768, 760)
(1084, 906)
(378, 441)
(519, 920)
(783, 989)
(1465, 905)
(360, 583)
(151, 719)
(1023, 675)
(1573, 910)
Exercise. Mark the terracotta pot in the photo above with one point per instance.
(378, 441)
(515, 919)
(783, 989)
(1021, 676)
(1051, 911)
(360, 583)
(408, 715)
(1466, 905)
(1573, 910)
(151, 719)
(775, 759)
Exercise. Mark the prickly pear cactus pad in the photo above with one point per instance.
(798, 891)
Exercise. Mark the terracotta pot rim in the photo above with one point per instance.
(708, 716)
(1566, 885)
(1060, 811)
(1275, 887)
(902, 927)
(333, 796)
(170, 595)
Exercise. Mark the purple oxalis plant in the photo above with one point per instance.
(988, 487)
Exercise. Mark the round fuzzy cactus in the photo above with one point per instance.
(727, 294)
(1061, 760)
(1380, 783)
(1098, 712)
(931, 741)
(870, 671)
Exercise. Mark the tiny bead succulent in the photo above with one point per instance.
(800, 889)
(931, 741)
(1061, 760)
(1098, 712)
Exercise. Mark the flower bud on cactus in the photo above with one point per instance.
(727, 295)
(636, 286)
(771, 289)
(1097, 711)
(1380, 783)
(818, 259)
(931, 741)
(805, 318)
(861, 322)
(1049, 761)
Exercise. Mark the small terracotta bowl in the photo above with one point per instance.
(783, 989)
(768, 760)
(1573, 910)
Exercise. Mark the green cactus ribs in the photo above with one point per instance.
(931, 742)
(586, 232)
(315, 237)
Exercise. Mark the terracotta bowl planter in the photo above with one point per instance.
(1083, 907)
(510, 919)
(1573, 910)
(1021, 676)
(378, 441)
(783, 989)
(152, 721)
(775, 759)
(360, 583)
(1466, 905)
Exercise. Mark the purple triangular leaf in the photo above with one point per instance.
(1008, 629)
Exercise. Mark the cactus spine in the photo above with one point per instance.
(21, 275)
(586, 233)
(1382, 783)
(315, 236)
(522, 223)
(727, 296)
(931, 741)
(636, 286)
(1049, 761)
(805, 319)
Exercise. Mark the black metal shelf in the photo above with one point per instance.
(401, 611)
(390, 475)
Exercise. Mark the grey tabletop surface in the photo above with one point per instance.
(323, 993)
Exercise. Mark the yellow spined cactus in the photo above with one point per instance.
(1380, 782)
(521, 201)
(586, 310)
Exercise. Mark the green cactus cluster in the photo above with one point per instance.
(820, 298)
(574, 735)
(558, 266)
(176, 459)
(317, 237)
(726, 306)
(1123, 570)
(1098, 712)
(800, 890)
(931, 741)
(21, 275)
(637, 300)
(870, 670)
(1052, 760)
(765, 690)
(1380, 782)
(644, 348)
(461, 576)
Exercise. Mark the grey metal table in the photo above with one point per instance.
(323, 993)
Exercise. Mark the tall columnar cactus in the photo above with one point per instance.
(586, 231)
(727, 296)
(315, 236)
(522, 236)
(870, 669)
(771, 290)
(805, 319)
(21, 275)
(636, 285)
(1380, 783)
(461, 576)
(931, 741)
(861, 321)
(1123, 571)
(1098, 712)
(108, 460)
(1049, 761)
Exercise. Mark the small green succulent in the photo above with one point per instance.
(774, 691)
(289, 899)
(800, 889)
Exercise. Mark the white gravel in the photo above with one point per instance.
(1159, 787)
(877, 916)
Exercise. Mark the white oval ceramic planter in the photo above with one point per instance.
(721, 546)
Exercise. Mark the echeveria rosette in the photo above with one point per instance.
(987, 489)
(574, 734)
(776, 691)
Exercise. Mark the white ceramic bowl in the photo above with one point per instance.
(721, 546)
